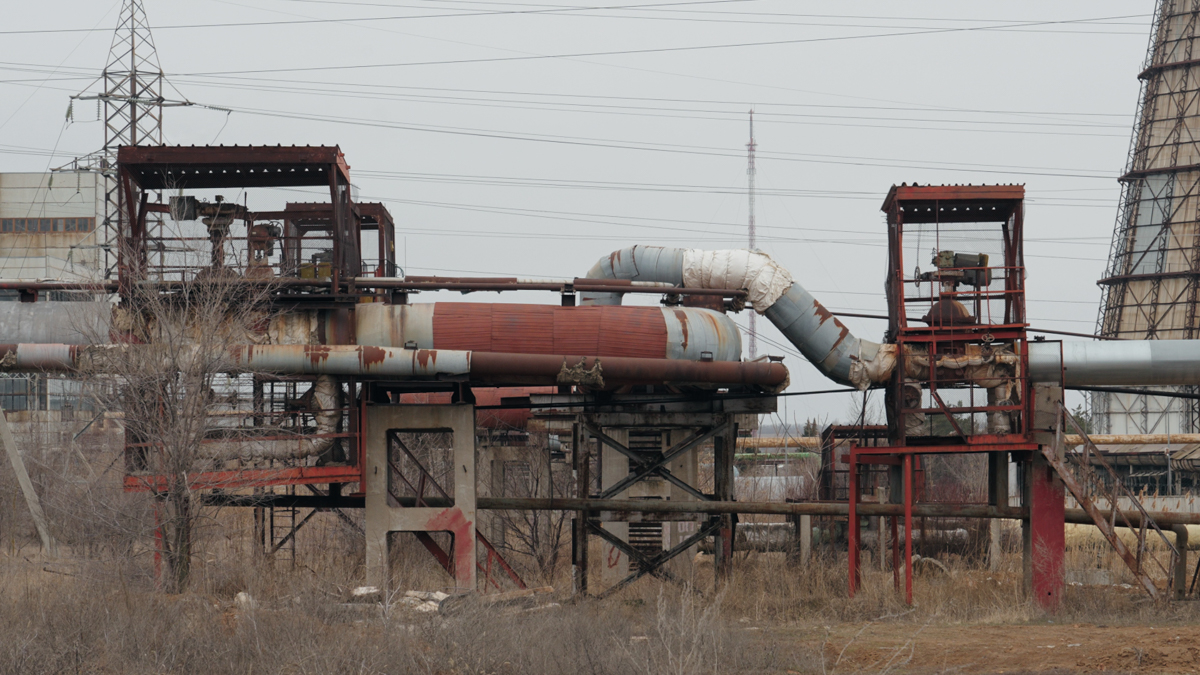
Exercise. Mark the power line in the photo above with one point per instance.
(645, 50)
(244, 24)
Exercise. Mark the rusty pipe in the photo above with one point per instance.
(927, 510)
(774, 508)
(602, 372)
(394, 363)
(821, 338)
(687, 333)
(759, 442)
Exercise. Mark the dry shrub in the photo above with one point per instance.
(95, 622)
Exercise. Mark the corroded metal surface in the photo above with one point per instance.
(646, 332)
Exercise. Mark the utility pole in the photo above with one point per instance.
(750, 171)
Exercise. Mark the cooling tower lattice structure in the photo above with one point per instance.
(1152, 285)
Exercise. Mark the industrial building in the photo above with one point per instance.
(49, 227)
(323, 386)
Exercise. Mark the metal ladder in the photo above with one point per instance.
(281, 530)
(1090, 486)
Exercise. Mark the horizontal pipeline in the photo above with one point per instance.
(540, 368)
(770, 508)
(1070, 439)
(464, 284)
(503, 284)
(1074, 516)
(391, 362)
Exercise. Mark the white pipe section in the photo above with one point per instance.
(846, 359)
(819, 336)
(1116, 362)
(349, 360)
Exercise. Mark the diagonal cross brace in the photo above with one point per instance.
(659, 470)
(645, 470)
(430, 544)
(647, 565)
(292, 532)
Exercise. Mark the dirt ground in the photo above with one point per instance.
(1042, 647)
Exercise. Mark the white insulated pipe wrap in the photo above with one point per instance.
(819, 336)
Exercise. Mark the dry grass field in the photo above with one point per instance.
(97, 608)
(89, 616)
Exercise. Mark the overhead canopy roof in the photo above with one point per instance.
(164, 167)
(954, 203)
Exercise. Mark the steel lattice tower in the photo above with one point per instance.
(1152, 285)
(132, 105)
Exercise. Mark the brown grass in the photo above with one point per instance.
(100, 611)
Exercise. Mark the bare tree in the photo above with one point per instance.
(540, 535)
(170, 379)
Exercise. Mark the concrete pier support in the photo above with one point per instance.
(383, 517)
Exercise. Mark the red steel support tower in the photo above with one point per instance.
(957, 332)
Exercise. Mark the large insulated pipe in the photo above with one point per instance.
(1116, 362)
(684, 333)
(405, 364)
(819, 336)
(846, 359)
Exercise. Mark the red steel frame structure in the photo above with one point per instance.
(144, 170)
(1000, 208)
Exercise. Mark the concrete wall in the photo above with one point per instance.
(51, 255)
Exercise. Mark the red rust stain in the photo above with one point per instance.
(683, 324)
(822, 312)
(370, 356)
(845, 332)
(453, 521)
(317, 353)
(424, 356)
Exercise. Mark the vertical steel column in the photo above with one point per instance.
(852, 533)
(908, 523)
(896, 552)
(581, 461)
(1047, 536)
(724, 446)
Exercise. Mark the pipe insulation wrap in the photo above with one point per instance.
(635, 263)
(819, 336)
(762, 278)
(686, 333)
(1116, 362)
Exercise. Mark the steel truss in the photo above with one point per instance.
(593, 425)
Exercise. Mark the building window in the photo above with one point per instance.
(36, 225)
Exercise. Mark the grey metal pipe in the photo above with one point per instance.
(415, 364)
(826, 342)
(1116, 362)
(821, 338)
(344, 360)
(635, 263)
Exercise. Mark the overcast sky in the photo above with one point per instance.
(531, 138)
